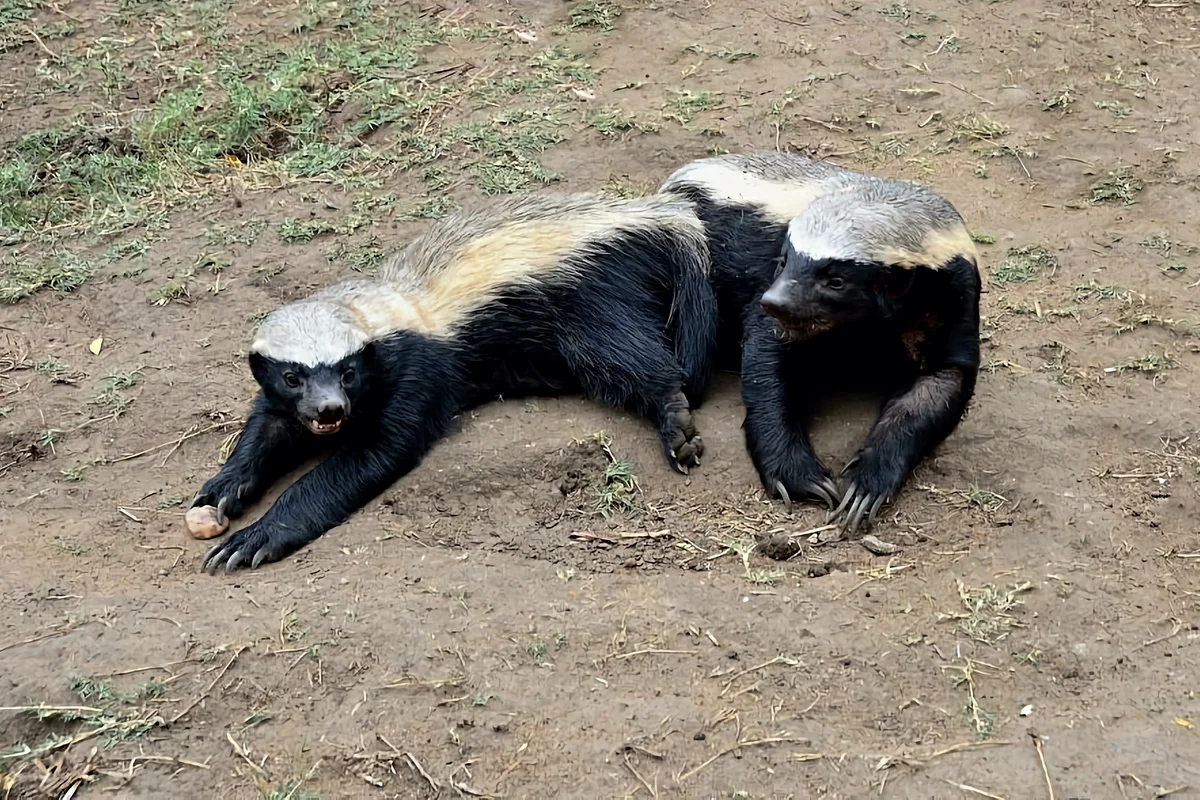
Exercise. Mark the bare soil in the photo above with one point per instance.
(477, 631)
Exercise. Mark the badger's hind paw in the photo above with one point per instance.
(682, 443)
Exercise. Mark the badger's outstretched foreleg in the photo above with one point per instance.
(912, 423)
(271, 444)
(776, 406)
(627, 364)
(367, 462)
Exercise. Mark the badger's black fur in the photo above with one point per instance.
(822, 275)
(540, 294)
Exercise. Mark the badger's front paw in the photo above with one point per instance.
(871, 481)
(253, 545)
(799, 476)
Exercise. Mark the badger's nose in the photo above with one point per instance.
(773, 301)
(331, 413)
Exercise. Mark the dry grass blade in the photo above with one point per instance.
(205, 693)
(1037, 745)
(739, 746)
(629, 765)
(972, 790)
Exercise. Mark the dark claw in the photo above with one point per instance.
(849, 465)
(856, 513)
(214, 558)
(879, 501)
(819, 490)
(847, 499)
(221, 511)
(783, 493)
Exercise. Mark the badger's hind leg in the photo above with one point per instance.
(268, 447)
(627, 364)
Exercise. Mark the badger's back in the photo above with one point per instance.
(470, 258)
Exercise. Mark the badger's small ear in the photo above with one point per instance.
(368, 353)
(260, 368)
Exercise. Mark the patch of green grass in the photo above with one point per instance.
(560, 65)
(894, 146)
(979, 127)
(170, 291)
(1119, 187)
(431, 208)
(109, 394)
(245, 232)
(979, 237)
(601, 15)
(507, 147)
(74, 474)
(988, 614)
(51, 368)
(1151, 363)
(1095, 290)
(1061, 102)
(624, 187)
(293, 230)
(618, 491)
(683, 105)
(1115, 107)
(537, 650)
(60, 273)
(364, 257)
(1022, 265)
(612, 121)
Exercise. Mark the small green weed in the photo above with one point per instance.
(61, 273)
(1119, 187)
(1023, 264)
(683, 105)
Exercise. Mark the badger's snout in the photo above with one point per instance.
(325, 410)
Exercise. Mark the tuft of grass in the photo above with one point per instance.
(1117, 187)
(1115, 107)
(613, 120)
(988, 616)
(618, 491)
(172, 290)
(980, 127)
(1149, 363)
(60, 273)
(746, 545)
(1095, 290)
(624, 187)
(979, 237)
(293, 230)
(109, 394)
(1061, 102)
(365, 257)
(537, 650)
(683, 105)
(601, 15)
(1023, 264)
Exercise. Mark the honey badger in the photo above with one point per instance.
(823, 273)
(538, 294)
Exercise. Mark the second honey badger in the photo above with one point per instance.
(824, 273)
(538, 294)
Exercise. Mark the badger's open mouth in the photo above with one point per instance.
(793, 330)
(323, 428)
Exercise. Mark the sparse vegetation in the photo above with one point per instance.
(1119, 187)
(1023, 264)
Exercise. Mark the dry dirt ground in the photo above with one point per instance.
(171, 171)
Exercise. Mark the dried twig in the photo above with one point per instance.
(416, 765)
(204, 694)
(740, 745)
(652, 651)
(43, 637)
(629, 765)
(1037, 745)
(973, 790)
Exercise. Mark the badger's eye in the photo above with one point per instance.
(348, 377)
(835, 283)
(291, 379)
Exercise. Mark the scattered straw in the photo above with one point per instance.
(972, 790)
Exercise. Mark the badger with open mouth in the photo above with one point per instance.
(824, 273)
(538, 294)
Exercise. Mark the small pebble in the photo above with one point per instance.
(879, 548)
(202, 523)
